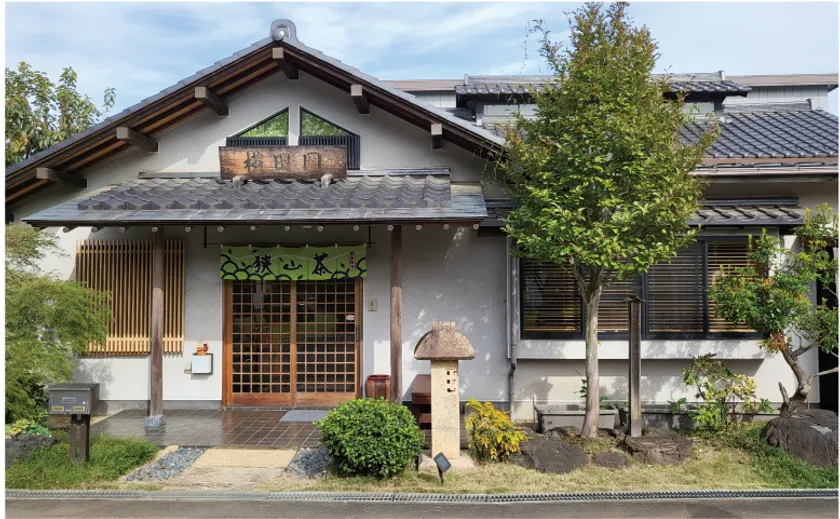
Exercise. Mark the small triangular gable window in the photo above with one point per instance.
(313, 126)
(275, 126)
(317, 131)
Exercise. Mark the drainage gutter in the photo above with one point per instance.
(379, 497)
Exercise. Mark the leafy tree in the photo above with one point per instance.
(771, 296)
(48, 322)
(40, 113)
(600, 176)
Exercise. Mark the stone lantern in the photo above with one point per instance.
(444, 346)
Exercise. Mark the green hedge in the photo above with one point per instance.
(371, 437)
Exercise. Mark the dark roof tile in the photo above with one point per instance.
(360, 197)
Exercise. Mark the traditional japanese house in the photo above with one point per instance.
(309, 223)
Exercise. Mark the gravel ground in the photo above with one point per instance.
(168, 466)
(309, 462)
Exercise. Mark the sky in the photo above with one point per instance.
(142, 48)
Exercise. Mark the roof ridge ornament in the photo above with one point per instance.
(283, 29)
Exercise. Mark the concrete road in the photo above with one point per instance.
(93, 508)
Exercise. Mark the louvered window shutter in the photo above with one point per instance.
(675, 293)
(550, 301)
(723, 258)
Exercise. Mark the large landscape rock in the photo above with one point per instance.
(611, 460)
(810, 434)
(659, 450)
(551, 455)
(23, 445)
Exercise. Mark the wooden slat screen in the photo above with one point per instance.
(124, 268)
(723, 257)
(550, 301)
(613, 313)
(675, 293)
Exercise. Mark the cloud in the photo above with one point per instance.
(142, 48)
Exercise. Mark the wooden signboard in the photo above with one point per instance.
(283, 162)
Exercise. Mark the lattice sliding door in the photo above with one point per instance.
(326, 341)
(124, 268)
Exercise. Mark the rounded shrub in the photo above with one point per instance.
(371, 437)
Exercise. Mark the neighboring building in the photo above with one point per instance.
(290, 282)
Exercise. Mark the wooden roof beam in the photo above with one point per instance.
(360, 99)
(137, 139)
(60, 177)
(437, 136)
(282, 60)
(211, 100)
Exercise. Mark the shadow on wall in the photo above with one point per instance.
(456, 276)
(558, 381)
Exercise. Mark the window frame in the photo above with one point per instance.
(643, 289)
(242, 133)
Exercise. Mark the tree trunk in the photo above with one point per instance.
(803, 384)
(593, 400)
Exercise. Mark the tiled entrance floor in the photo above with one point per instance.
(228, 428)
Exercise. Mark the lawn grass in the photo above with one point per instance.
(740, 460)
(51, 468)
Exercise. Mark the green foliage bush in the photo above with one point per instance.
(24, 426)
(371, 437)
(722, 392)
(50, 467)
(491, 433)
(49, 322)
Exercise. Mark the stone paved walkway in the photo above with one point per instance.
(228, 428)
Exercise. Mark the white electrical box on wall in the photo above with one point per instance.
(202, 364)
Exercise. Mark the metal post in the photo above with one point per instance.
(635, 380)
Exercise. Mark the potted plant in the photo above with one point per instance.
(551, 416)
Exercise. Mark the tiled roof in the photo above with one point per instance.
(783, 135)
(765, 135)
(416, 195)
(513, 86)
(715, 212)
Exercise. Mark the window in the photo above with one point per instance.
(275, 126)
(676, 306)
(124, 268)
(273, 131)
(313, 126)
(550, 303)
(552, 308)
(317, 131)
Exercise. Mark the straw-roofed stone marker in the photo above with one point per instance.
(444, 346)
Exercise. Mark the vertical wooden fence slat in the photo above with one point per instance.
(123, 268)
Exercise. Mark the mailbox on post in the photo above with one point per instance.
(79, 401)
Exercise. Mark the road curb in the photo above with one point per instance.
(390, 497)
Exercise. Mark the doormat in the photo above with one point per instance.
(297, 415)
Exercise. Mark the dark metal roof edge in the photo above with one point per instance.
(165, 175)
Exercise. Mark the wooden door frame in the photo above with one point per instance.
(227, 341)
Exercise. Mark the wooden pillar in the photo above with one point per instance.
(635, 375)
(396, 314)
(156, 418)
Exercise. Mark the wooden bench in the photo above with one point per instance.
(421, 390)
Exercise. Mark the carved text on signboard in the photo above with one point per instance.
(283, 162)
